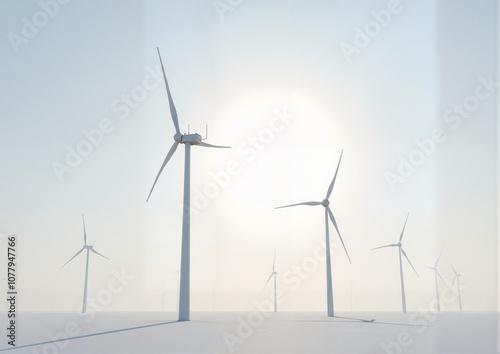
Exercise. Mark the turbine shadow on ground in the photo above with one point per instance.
(91, 335)
(353, 319)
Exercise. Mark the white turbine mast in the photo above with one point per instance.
(328, 215)
(89, 249)
(273, 274)
(401, 251)
(456, 278)
(187, 140)
(436, 275)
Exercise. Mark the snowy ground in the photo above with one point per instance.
(256, 332)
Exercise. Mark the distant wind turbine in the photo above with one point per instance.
(328, 213)
(187, 140)
(436, 275)
(401, 251)
(89, 249)
(457, 276)
(273, 274)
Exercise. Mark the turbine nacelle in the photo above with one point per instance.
(193, 139)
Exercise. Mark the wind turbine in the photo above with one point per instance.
(401, 251)
(457, 276)
(89, 249)
(187, 140)
(328, 213)
(436, 274)
(273, 274)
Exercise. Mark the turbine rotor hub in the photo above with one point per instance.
(325, 202)
(178, 137)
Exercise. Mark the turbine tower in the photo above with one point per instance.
(436, 275)
(401, 251)
(89, 249)
(187, 140)
(328, 214)
(457, 276)
(273, 274)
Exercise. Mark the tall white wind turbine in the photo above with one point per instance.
(187, 140)
(273, 274)
(328, 213)
(401, 251)
(89, 249)
(457, 276)
(436, 275)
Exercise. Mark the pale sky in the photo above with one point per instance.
(272, 81)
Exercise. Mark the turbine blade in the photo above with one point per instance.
(439, 275)
(435, 265)
(330, 188)
(173, 111)
(402, 232)
(332, 218)
(454, 271)
(431, 268)
(274, 260)
(391, 245)
(84, 232)
(169, 155)
(77, 253)
(404, 254)
(268, 280)
(304, 203)
(213, 146)
(455, 278)
(93, 250)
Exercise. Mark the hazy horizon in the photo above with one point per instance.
(273, 81)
